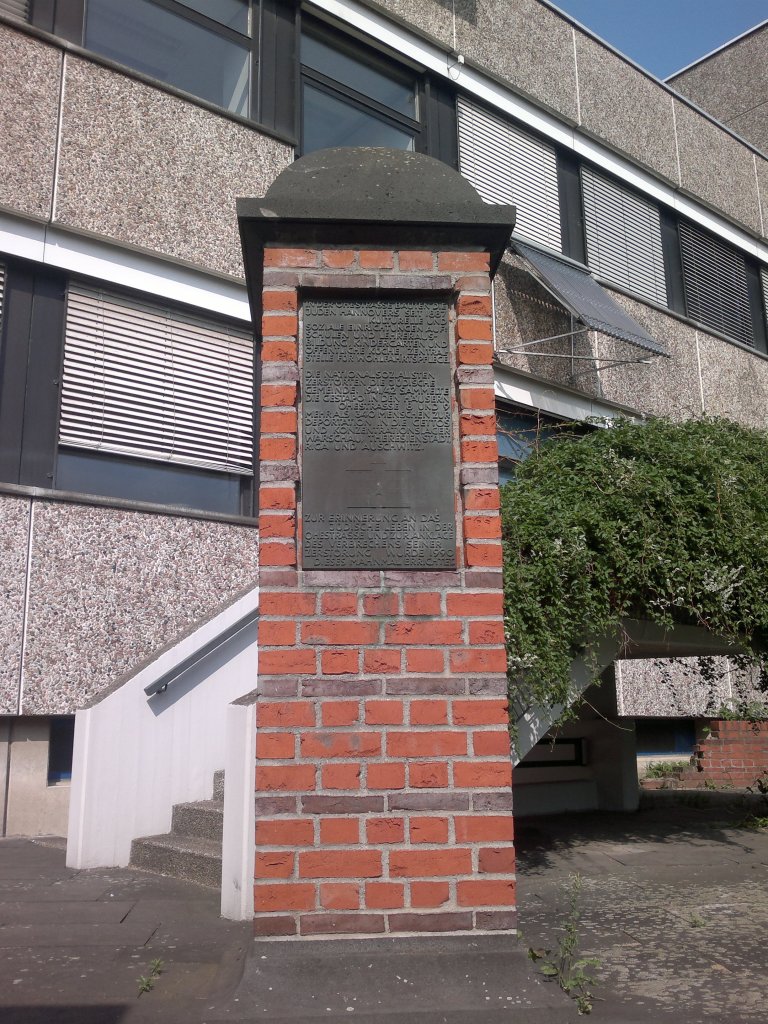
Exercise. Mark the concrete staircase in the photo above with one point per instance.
(192, 849)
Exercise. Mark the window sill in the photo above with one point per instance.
(122, 504)
(129, 72)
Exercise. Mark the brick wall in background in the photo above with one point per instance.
(383, 764)
(730, 752)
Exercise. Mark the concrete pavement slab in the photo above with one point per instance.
(679, 930)
(425, 980)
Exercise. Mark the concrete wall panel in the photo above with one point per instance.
(152, 170)
(734, 382)
(731, 84)
(716, 167)
(665, 687)
(761, 167)
(34, 808)
(14, 531)
(524, 42)
(753, 126)
(30, 77)
(625, 108)
(433, 17)
(108, 588)
(664, 387)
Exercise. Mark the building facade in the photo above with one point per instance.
(127, 354)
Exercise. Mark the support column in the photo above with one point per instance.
(383, 778)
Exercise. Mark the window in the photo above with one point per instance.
(721, 287)
(201, 47)
(147, 382)
(352, 96)
(519, 432)
(237, 54)
(116, 396)
(507, 165)
(61, 743)
(623, 236)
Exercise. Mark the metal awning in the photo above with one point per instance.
(585, 299)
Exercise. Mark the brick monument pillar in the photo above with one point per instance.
(383, 772)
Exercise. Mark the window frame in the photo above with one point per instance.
(350, 47)
(434, 129)
(34, 319)
(272, 55)
(523, 141)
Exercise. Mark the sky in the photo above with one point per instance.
(666, 35)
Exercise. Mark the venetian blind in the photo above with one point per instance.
(623, 233)
(2, 293)
(715, 282)
(152, 382)
(507, 165)
(764, 280)
(20, 8)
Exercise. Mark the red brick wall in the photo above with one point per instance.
(383, 762)
(731, 752)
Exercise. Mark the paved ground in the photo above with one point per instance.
(73, 944)
(673, 904)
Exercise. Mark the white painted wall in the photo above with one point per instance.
(136, 756)
(238, 848)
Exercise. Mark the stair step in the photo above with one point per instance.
(195, 859)
(204, 819)
(218, 785)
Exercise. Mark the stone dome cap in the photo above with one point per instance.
(370, 184)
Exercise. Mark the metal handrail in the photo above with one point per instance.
(160, 685)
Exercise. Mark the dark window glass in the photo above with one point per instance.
(330, 121)
(112, 476)
(352, 96)
(232, 13)
(172, 49)
(61, 742)
(665, 736)
(518, 434)
(390, 91)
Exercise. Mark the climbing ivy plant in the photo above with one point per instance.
(660, 520)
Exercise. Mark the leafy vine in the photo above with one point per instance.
(661, 521)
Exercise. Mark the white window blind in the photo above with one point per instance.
(715, 282)
(2, 292)
(155, 383)
(507, 165)
(623, 233)
(764, 281)
(18, 7)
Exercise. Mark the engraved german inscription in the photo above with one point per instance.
(377, 452)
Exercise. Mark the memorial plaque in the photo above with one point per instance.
(377, 446)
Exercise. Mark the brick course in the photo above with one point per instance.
(382, 753)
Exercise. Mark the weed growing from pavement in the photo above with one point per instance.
(564, 964)
(147, 982)
(758, 821)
